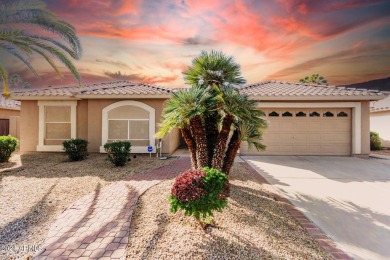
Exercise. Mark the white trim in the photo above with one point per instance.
(152, 123)
(356, 116)
(42, 124)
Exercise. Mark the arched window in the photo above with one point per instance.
(129, 121)
(273, 114)
(300, 114)
(328, 114)
(287, 114)
(314, 114)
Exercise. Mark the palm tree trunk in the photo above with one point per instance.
(220, 146)
(199, 135)
(231, 152)
(186, 133)
(211, 127)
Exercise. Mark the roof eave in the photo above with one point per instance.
(316, 98)
(11, 108)
(90, 96)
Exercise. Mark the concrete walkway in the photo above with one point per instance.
(97, 225)
(348, 198)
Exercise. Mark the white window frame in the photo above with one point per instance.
(356, 116)
(41, 147)
(152, 124)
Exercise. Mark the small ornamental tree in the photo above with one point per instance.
(199, 193)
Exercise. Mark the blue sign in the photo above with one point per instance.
(150, 149)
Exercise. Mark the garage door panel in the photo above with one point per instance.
(327, 124)
(274, 125)
(287, 149)
(286, 138)
(327, 149)
(342, 149)
(287, 125)
(343, 137)
(327, 138)
(327, 132)
(300, 138)
(343, 124)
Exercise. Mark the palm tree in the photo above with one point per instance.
(243, 121)
(23, 43)
(315, 79)
(192, 110)
(184, 110)
(213, 70)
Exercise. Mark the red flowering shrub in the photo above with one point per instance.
(199, 192)
(187, 186)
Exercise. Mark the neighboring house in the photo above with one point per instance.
(304, 119)
(9, 117)
(380, 119)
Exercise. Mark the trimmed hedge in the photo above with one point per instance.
(76, 149)
(7, 147)
(375, 141)
(200, 192)
(118, 152)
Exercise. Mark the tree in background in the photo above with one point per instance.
(39, 22)
(315, 79)
(15, 80)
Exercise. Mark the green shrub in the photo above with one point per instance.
(76, 149)
(7, 147)
(118, 152)
(375, 141)
(199, 192)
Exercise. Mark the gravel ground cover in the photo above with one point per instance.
(36, 188)
(382, 152)
(253, 226)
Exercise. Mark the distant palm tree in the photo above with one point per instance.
(22, 43)
(315, 79)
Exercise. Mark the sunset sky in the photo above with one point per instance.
(153, 41)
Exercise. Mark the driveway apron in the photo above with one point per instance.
(347, 197)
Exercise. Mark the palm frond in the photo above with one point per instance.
(14, 52)
(213, 68)
(35, 13)
(50, 61)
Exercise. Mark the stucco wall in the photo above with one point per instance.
(29, 126)
(89, 123)
(95, 107)
(14, 121)
(365, 127)
(174, 140)
(82, 119)
(380, 123)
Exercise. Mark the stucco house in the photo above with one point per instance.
(380, 119)
(9, 117)
(304, 119)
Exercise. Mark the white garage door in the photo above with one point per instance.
(307, 132)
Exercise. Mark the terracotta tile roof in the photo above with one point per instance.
(9, 104)
(104, 88)
(380, 105)
(289, 89)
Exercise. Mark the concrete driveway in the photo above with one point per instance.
(348, 198)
